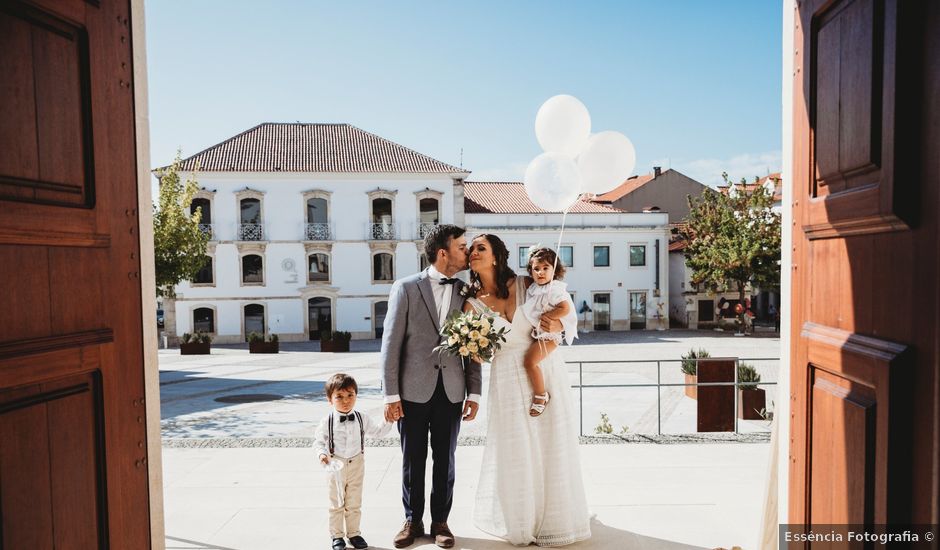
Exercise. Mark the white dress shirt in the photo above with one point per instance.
(442, 297)
(347, 440)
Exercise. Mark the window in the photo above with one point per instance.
(316, 210)
(204, 277)
(523, 256)
(252, 269)
(382, 267)
(205, 216)
(254, 319)
(566, 256)
(250, 228)
(203, 320)
(428, 216)
(602, 311)
(601, 256)
(318, 268)
(637, 310)
(637, 255)
(250, 211)
(423, 261)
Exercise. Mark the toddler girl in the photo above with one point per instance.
(546, 296)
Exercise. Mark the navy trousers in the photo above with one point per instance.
(441, 419)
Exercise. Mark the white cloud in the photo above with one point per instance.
(747, 165)
(513, 172)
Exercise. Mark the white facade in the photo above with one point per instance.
(589, 283)
(284, 247)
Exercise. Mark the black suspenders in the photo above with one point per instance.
(362, 433)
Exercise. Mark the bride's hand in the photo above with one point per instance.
(476, 358)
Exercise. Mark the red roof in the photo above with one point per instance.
(676, 246)
(509, 197)
(632, 184)
(303, 147)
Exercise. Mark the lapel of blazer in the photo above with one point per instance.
(456, 300)
(424, 285)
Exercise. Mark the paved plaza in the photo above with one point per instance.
(242, 476)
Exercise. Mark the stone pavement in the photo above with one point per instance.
(266, 492)
(649, 497)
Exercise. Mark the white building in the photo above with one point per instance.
(616, 261)
(311, 224)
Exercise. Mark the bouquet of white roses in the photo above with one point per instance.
(470, 334)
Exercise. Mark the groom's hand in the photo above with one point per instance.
(393, 411)
(470, 409)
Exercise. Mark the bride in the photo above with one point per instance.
(530, 488)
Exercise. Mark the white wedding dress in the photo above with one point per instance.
(530, 488)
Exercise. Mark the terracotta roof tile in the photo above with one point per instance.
(302, 147)
(625, 188)
(509, 197)
(748, 187)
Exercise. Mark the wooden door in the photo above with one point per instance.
(864, 439)
(73, 447)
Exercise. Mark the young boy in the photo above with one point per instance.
(341, 436)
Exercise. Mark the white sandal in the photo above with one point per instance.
(539, 408)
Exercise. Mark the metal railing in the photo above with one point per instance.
(424, 228)
(659, 385)
(382, 231)
(318, 232)
(207, 229)
(250, 232)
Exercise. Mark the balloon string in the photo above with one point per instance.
(560, 234)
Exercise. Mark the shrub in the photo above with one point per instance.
(689, 365)
(186, 338)
(747, 373)
(342, 336)
(272, 338)
(254, 337)
(202, 337)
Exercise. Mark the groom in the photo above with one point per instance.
(427, 392)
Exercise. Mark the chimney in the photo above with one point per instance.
(657, 171)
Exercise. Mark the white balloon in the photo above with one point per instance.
(562, 125)
(607, 160)
(552, 181)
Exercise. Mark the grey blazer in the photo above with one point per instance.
(409, 366)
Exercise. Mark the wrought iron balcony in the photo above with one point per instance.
(207, 229)
(318, 232)
(424, 228)
(250, 232)
(382, 231)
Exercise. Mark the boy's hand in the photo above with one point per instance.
(549, 324)
(324, 459)
(393, 411)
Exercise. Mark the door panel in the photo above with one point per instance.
(864, 339)
(73, 462)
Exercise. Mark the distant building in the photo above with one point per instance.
(617, 261)
(310, 225)
(659, 191)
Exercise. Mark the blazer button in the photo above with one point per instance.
(435, 367)
(443, 366)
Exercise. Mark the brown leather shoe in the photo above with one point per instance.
(409, 532)
(442, 535)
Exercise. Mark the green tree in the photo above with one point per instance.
(179, 243)
(734, 239)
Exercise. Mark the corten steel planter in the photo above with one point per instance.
(716, 403)
(263, 347)
(334, 346)
(194, 349)
(691, 391)
(750, 403)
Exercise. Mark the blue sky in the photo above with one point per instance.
(694, 85)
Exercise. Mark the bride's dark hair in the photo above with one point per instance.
(503, 272)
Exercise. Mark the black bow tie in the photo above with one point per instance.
(345, 417)
(447, 281)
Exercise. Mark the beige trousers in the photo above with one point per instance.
(350, 511)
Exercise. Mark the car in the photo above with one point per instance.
(159, 318)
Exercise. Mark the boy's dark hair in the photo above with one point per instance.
(340, 381)
(545, 254)
(438, 238)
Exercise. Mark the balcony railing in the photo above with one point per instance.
(318, 232)
(382, 231)
(207, 229)
(250, 232)
(424, 228)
